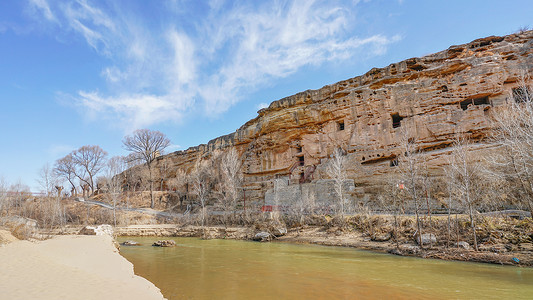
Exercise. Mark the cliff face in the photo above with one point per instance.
(436, 96)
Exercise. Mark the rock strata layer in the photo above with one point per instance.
(437, 97)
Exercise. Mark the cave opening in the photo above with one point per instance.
(396, 120)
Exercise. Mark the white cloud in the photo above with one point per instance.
(43, 7)
(93, 24)
(159, 72)
(262, 105)
(173, 148)
(59, 150)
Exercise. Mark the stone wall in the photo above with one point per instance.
(436, 96)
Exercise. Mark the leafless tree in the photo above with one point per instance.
(336, 170)
(465, 175)
(115, 166)
(90, 161)
(514, 131)
(4, 199)
(66, 168)
(410, 171)
(47, 179)
(231, 179)
(146, 145)
(392, 200)
(449, 176)
(48, 182)
(201, 187)
(276, 209)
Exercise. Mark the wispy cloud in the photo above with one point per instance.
(212, 61)
(43, 8)
(173, 148)
(59, 150)
(262, 105)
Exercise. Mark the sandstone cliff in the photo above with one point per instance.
(437, 96)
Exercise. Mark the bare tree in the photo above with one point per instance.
(90, 161)
(336, 170)
(115, 166)
(4, 199)
(201, 187)
(46, 179)
(393, 201)
(514, 131)
(146, 145)
(66, 168)
(464, 174)
(231, 179)
(411, 174)
(48, 182)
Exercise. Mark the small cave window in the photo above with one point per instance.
(396, 120)
(522, 94)
(341, 125)
(475, 101)
(299, 149)
(301, 160)
(394, 162)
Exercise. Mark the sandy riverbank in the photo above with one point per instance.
(70, 267)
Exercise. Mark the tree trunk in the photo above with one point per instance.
(456, 230)
(448, 225)
(418, 227)
(151, 188)
(473, 226)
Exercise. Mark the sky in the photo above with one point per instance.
(89, 72)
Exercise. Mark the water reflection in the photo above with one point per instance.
(225, 269)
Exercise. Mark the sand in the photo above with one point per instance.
(70, 267)
(6, 237)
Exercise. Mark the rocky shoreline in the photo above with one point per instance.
(334, 236)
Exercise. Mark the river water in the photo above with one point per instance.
(229, 269)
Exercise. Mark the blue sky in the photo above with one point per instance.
(87, 72)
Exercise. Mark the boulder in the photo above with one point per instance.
(280, 231)
(97, 230)
(262, 236)
(409, 249)
(462, 244)
(426, 239)
(381, 237)
(130, 243)
(164, 243)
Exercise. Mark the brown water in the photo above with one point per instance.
(228, 269)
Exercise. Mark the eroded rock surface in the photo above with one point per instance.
(438, 96)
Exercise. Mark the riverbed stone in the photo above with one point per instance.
(164, 243)
(381, 237)
(426, 239)
(281, 231)
(262, 236)
(130, 243)
(462, 244)
(409, 249)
